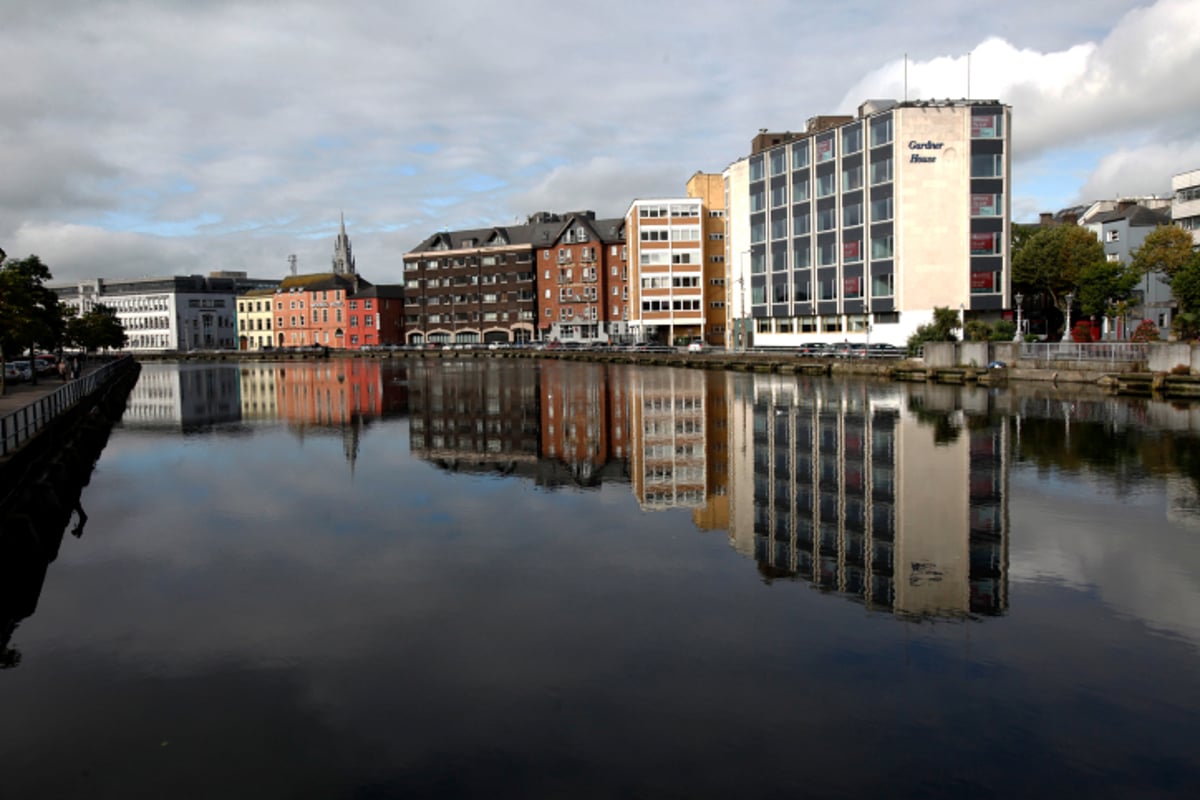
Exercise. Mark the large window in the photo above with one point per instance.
(801, 222)
(801, 288)
(827, 289)
(985, 244)
(986, 205)
(779, 196)
(881, 131)
(852, 288)
(825, 149)
(802, 255)
(881, 209)
(852, 140)
(827, 219)
(827, 254)
(852, 178)
(987, 126)
(779, 229)
(801, 189)
(881, 171)
(826, 185)
(985, 282)
(852, 251)
(881, 247)
(883, 285)
(987, 165)
(756, 169)
(852, 215)
(758, 263)
(800, 154)
(758, 232)
(758, 200)
(778, 161)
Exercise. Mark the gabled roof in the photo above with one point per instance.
(604, 231)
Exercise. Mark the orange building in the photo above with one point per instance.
(583, 280)
(310, 310)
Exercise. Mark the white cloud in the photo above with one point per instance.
(239, 133)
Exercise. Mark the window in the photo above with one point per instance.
(881, 209)
(827, 219)
(778, 161)
(756, 169)
(779, 228)
(987, 126)
(881, 131)
(883, 285)
(881, 247)
(758, 263)
(801, 223)
(825, 149)
(1112, 236)
(826, 185)
(758, 200)
(827, 254)
(802, 255)
(851, 140)
(987, 165)
(985, 244)
(779, 196)
(985, 282)
(800, 154)
(852, 178)
(985, 205)
(800, 190)
(852, 287)
(881, 171)
(827, 289)
(851, 252)
(852, 215)
(758, 232)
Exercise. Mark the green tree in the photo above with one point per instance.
(941, 329)
(1185, 285)
(30, 314)
(1105, 283)
(1052, 260)
(96, 329)
(1166, 249)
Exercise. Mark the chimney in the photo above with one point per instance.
(1125, 205)
(1045, 219)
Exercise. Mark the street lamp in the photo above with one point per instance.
(743, 315)
(1070, 299)
(1018, 297)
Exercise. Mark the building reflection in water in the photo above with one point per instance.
(873, 493)
(330, 397)
(893, 495)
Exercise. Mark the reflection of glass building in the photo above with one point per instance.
(848, 488)
(184, 397)
(668, 458)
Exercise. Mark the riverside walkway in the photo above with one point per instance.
(26, 408)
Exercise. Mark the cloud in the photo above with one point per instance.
(243, 133)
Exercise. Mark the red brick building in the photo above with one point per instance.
(582, 279)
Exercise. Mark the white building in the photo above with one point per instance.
(858, 227)
(170, 313)
(1185, 203)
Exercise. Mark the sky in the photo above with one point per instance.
(162, 137)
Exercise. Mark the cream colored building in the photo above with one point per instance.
(856, 228)
(1185, 202)
(254, 319)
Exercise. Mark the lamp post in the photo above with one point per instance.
(1018, 297)
(743, 312)
(1070, 298)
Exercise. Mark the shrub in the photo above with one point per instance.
(1181, 369)
(1146, 331)
(977, 331)
(1003, 331)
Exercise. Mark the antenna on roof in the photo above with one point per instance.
(292, 263)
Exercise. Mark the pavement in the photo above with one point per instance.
(18, 395)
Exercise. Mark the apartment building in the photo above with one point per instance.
(676, 251)
(255, 313)
(859, 226)
(583, 280)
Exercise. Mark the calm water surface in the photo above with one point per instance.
(511, 579)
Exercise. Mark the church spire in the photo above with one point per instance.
(343, 256)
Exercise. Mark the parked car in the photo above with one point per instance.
(696, 346)
(17, 371)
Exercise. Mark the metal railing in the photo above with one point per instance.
(1106, 352)
(18, 427)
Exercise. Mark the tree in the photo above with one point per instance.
(1105, 283)
(941, 329)
(30, 314)
(96, 329)
(1185, 285)
(1166, 249)
(1053, 259)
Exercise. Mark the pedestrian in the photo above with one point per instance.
(74, 367)
(62, 370)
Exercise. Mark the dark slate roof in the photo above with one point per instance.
(383, 290)
(1138, 216)
(542, 230)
